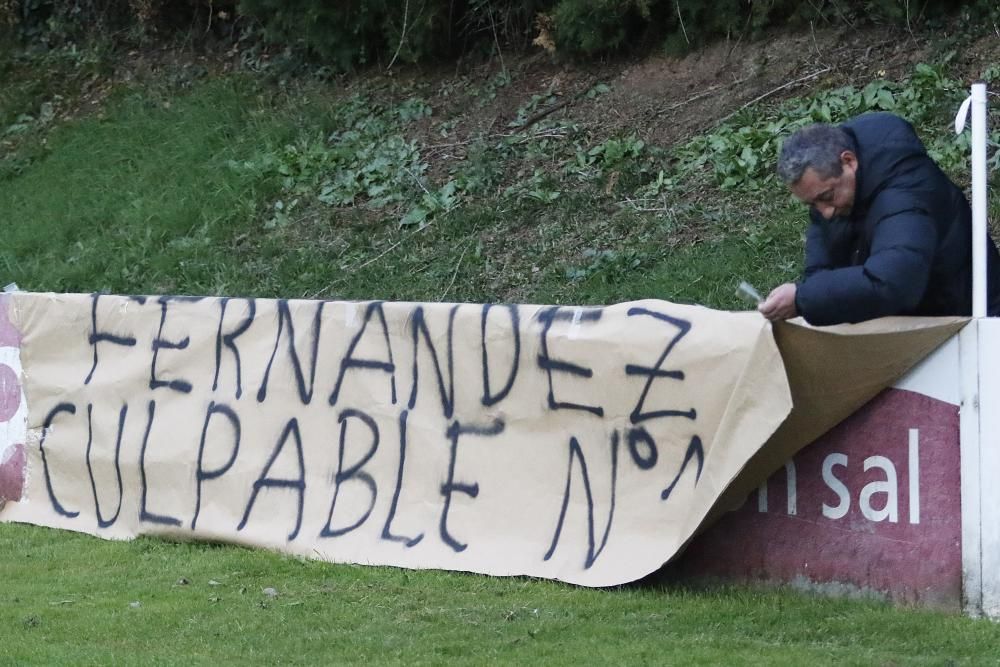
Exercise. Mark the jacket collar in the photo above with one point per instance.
(864, 190)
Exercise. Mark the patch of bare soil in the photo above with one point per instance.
(667, 99)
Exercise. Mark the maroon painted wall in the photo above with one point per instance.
(851, 528)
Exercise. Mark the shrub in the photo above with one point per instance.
(55, 22)
(347, 33)
(597, 26)
(352, 32)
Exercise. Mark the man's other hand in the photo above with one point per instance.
(780, 303)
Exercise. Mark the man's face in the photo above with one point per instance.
(831, 197)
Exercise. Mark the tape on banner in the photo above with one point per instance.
(574, 327)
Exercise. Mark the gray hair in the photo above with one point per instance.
(818, 146)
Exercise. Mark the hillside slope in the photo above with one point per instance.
(518, 179)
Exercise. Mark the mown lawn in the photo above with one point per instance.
(74, 599)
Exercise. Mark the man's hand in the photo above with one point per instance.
(780, 303)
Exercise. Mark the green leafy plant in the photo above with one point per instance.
(609, 265)
(742, 151)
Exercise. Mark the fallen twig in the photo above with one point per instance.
(801, 79)
(640, 207)
(544, 133)
(559, 105)
(379, 256)
(695, 98)
(454, 273)
(422, 186)
(542, 114)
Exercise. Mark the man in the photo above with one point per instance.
(889, 233)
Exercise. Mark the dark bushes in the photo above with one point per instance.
(347, 33)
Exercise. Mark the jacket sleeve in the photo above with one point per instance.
(892, 280)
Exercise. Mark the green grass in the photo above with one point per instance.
(140, 199)
(173, 189)
(70, 599)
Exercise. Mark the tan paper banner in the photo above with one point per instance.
(583, 444)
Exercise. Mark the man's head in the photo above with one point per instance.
(819, 165)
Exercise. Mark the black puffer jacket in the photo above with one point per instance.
(906, 248)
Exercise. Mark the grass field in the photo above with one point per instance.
(217, 187)
(73, 599)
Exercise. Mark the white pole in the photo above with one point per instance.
(979, 228)
(988, 387)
